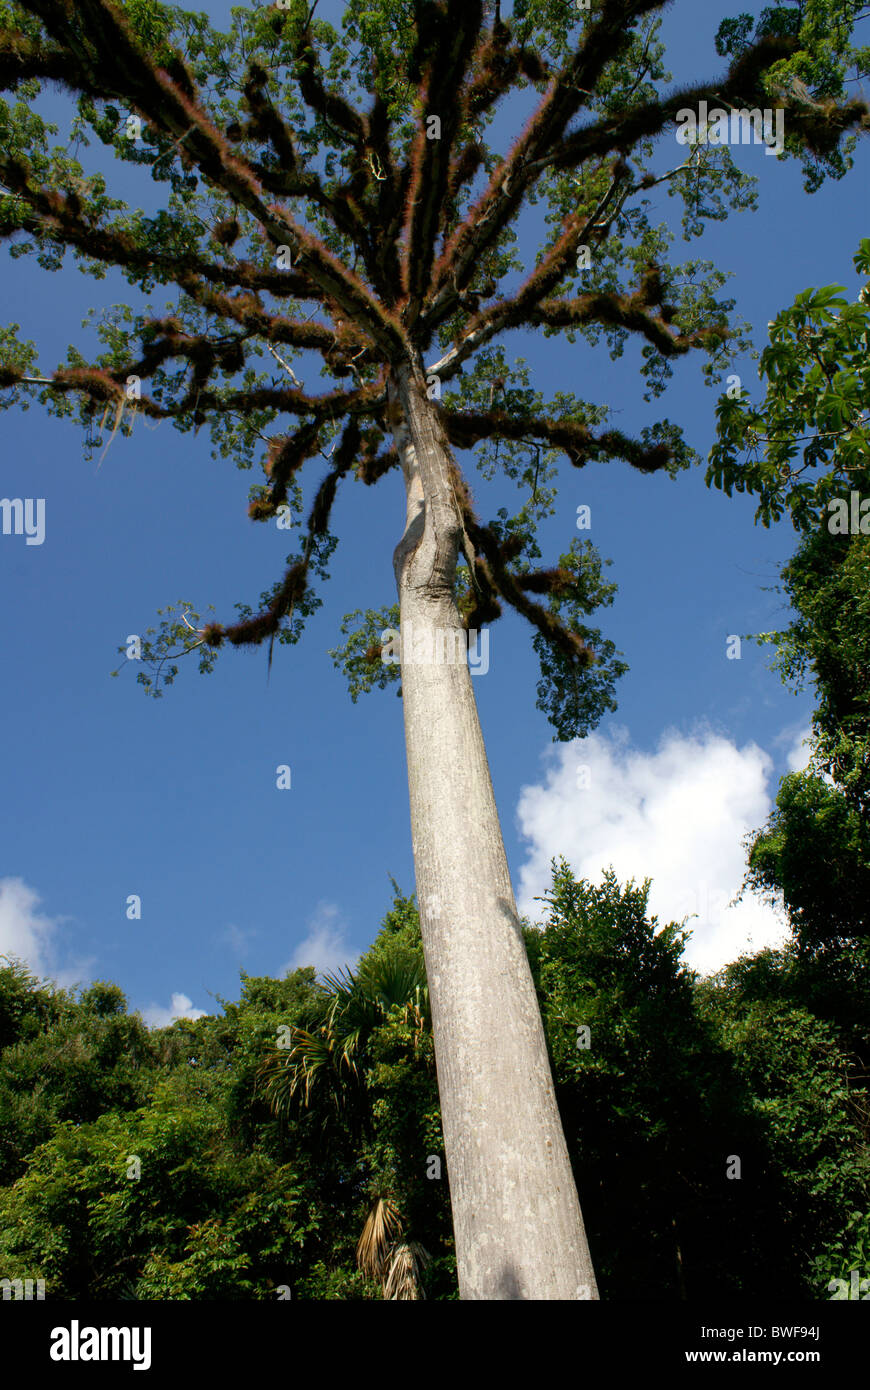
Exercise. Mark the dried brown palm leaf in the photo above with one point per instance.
(379, 1234)
(403, 1281)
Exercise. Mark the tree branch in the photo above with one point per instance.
(466, 428)
(510, 182)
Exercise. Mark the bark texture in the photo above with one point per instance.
(519, 1231)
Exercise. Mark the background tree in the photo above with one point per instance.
(676, 1078)
(806, 449)
(64, 1059)
(393, 217)
(816, 410)
(351, 1042)
(223, 1201)
(238, 1198)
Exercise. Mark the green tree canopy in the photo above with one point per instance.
(337, 193)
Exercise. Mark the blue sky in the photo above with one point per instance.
(106, 793)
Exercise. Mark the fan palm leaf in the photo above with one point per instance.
(327, 1059)
(382, 1228)
(381, 1254)
(404, 1277)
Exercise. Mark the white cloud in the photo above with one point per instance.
(237, 938)
(677, 816)
(181, 1007)
(325, 946)
(798, 755)
(23, 931)
(31, 936)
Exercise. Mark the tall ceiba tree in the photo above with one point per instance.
(337, 195)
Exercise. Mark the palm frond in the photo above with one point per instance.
(382, 1229)
(314, 1061)
(340, 985)
(404, 1276)
(393, 978)
(328, 1057)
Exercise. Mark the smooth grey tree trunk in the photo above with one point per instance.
(516, 1215)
